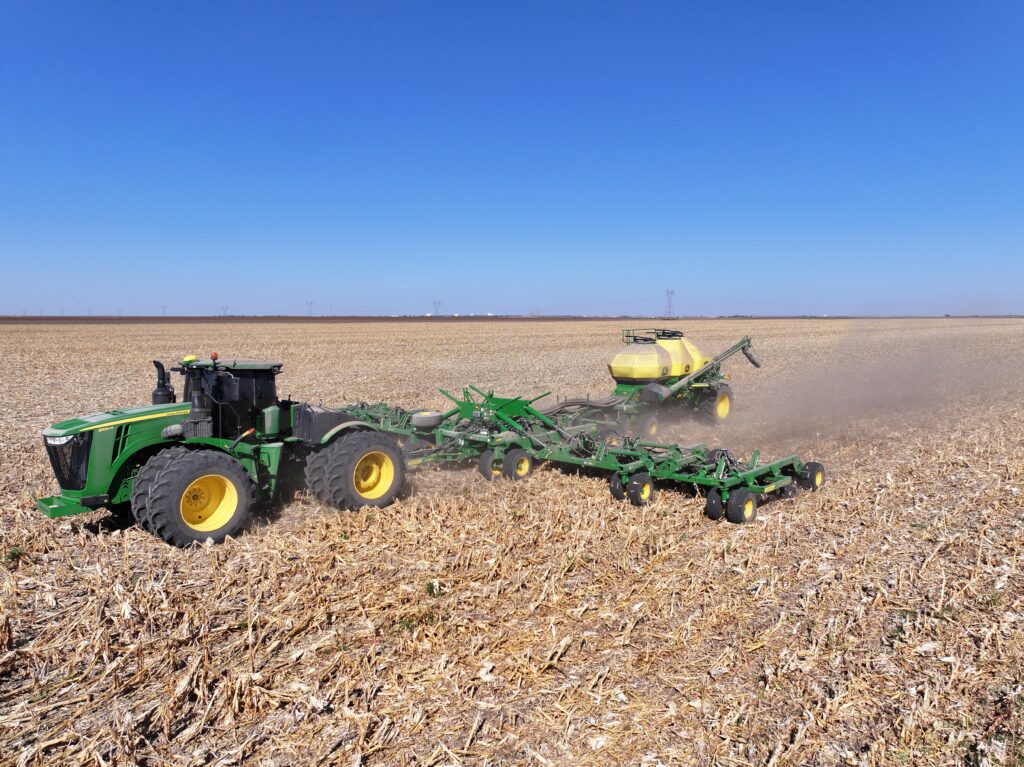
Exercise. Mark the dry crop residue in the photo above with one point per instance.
(880, 621)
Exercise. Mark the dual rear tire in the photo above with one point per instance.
(363, 468)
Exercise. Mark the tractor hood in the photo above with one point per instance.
(116, 418)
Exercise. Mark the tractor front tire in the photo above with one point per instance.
(717, 405)
(146, 476)
(364, 468)
(197, 495)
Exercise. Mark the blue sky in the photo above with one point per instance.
(799, 157)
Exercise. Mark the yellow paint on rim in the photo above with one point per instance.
(523, 466)
(748, 508)
(209, 503)
(722, 406)
(818, 477)
(645, 491)
(373, 475)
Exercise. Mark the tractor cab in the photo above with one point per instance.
(227, 397)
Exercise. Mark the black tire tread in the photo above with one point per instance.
(316, 476)
(162, 507)
(340, 458)
(707, 405)
(146, 476)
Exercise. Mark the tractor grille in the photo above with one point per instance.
(71, 460)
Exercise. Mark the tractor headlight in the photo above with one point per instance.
(59, 440)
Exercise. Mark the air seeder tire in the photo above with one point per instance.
(363, 468)
(716, 407)
(647, 426)
(197, 495)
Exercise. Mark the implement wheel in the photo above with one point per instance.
(517, 464)
(485, 465)
(717, 405)
(742, 507)
(640, 489)
(363, 468)
(615, 486)
(195, 496)
(813, 476)
(713, 508)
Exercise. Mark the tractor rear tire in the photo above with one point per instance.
(713, 508)
(517, 464)
(146, 476)
(485, 465)
(742, 507)
(640, 489)
(198, 496)
(316, 476)
(364, 468)
(717, 405)
(813, 476)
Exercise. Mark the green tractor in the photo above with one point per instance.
(192, 470)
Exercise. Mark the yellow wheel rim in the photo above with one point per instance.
(374, 474)
(209, 503)
(645, 491)
(748, 508)
(522, 467)
(722, 406)
(818, 477)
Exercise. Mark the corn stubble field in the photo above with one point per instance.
(879, 621)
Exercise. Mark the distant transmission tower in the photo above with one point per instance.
(163, 309)
(669, 295)
(224, 311)
(309, 308)
(437, 308)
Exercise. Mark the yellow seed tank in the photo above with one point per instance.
(655, 358)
